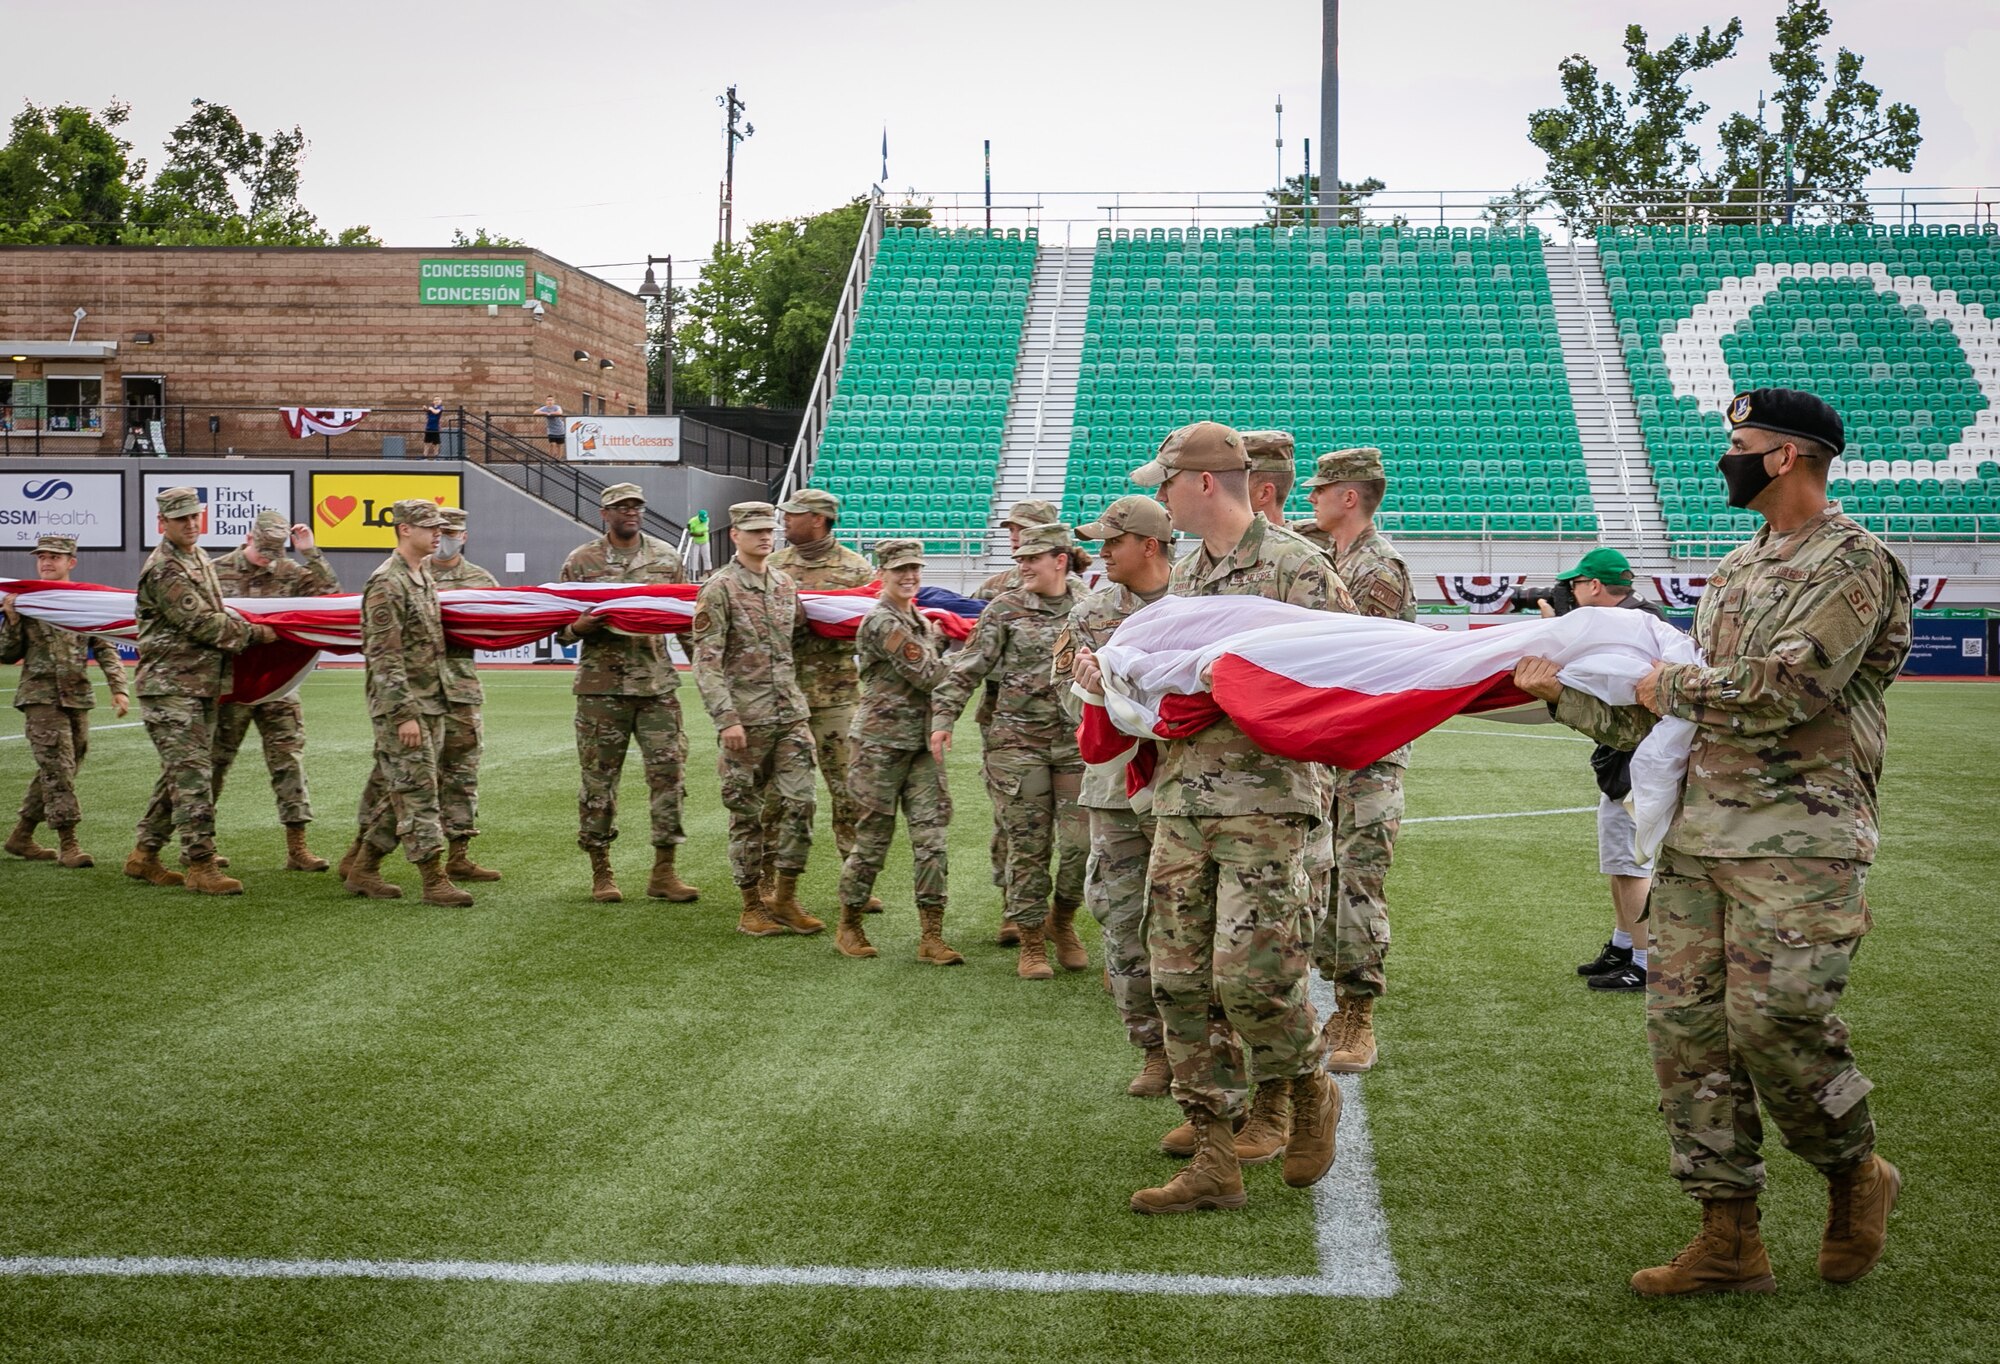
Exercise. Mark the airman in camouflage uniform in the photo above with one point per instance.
(54, 696)
(625, 690)
(402, 639)
(902, 661)
(464, 733)
(815, 561)
(1758, 903)
(742, 645)
(1229, 911)
(1273, 470)
(186, 636)
(258, 568)
(1031, 755)
(1346, 488)
(1138, 558)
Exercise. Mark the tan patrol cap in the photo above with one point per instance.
(753, 516)
(417, 511)
(898, 554)
(1209, 447)
(1136, 514)
(454, 518)
(1042, 539)
(812, 502)
(1032, 511)
(270, 530)
(174, 502)
(1358, 465)
(621, 492)
(55, 544)
(1270, 452)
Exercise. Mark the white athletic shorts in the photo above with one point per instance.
(1615, 833)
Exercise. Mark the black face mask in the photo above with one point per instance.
(1745, 475)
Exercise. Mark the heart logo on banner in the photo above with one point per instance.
(333, 510)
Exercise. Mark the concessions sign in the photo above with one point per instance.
(351, 511)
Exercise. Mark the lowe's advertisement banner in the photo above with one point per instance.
(229, 504)
(624, 440)
(90, 507)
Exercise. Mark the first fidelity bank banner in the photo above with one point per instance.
(89, 506)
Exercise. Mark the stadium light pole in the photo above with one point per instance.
(649, 291)
(1329, 107)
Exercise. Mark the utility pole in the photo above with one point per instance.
(733, 108)
(1306, 187)
(1281, 162)
(1329, 107)
(989, 184)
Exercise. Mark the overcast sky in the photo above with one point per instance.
(590, 127)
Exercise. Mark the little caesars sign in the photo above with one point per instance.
(456, 282)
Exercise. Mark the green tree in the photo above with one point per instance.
(481, 237)
(1288, 203)
(225, 185)
(1516, 207)
(66, 176)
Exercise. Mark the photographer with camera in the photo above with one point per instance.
(1603, 577)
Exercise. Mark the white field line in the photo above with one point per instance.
(94, 729)
(1502, 734)
(1504, 814)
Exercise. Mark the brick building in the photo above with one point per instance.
(209, 342)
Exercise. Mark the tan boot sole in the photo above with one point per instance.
(1765, 1284)
(1351, 1065)
(385, 891)
(1245, 1156)
(1202, 1203)
(680, 897)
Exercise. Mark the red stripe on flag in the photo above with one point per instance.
(1339, 727)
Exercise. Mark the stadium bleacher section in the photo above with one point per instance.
(1894, 327)
(913, 434)
(1439, 346)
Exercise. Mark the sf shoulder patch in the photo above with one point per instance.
(1863, 604)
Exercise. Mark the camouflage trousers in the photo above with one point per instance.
(829, 726)
(406, 808)
(996, 846)
(1121, 848)
(58, 738)
(182, 729)
(775, 759)
(878, 780)
(1039, 818)
(281, 728)
(1353, 941)
(1749, 958)
(605, 728)
(1228, 923)
(458, 771)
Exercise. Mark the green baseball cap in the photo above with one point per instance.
(1603, 564)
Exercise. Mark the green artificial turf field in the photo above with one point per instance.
(299, 1075)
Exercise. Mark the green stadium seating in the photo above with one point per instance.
(1439, 346)
(1909, 386)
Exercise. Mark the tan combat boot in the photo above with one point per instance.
(1269, 1125)
(144, 865)
(365, 876)
(69, 855)
(1062, 936)
(603, 889)
(205, 878)
(1033, 963)
(1315, 1118)
(850, 938)
(767, 881)
(1009, 934)
(1726, 1256)
(1355, 1052)
(460, 866)
(1857, 1218)
(22, 843)
(931, 946)
(874, 906)
(785, 909)
(1213, 1179)
(665, 883)
(1155, 1077)
(438, 889)
(756, 919)
(298, 857)
(348, 859)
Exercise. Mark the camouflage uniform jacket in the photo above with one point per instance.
(825, 666)
(55, 664)
(402, 637)
(1090, 626)
(1015, 643)
(742, 646)
(281, 577)
(1308, 530)
(185, 635)
(461, 670)
(1802, 634)
(1006, 580)
(902, 661)
(1220, 771)
(1380, 582)
(612, 664)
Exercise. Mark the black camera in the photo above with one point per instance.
(1561, 598)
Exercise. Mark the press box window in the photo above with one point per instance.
(73, 404)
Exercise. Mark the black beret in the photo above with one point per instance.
(1788, 412)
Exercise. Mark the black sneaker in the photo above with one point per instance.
(1612, 958)
(1626, 977)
